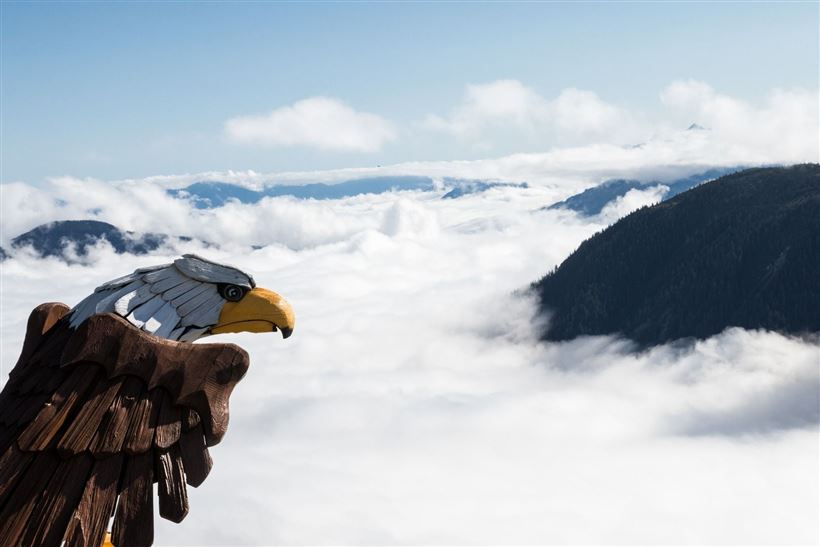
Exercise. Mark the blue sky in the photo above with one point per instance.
(138, 89)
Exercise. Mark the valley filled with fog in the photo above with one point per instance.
(415, 403)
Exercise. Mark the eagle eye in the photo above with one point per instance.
(232, 293)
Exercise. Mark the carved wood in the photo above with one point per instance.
(91, 417)
(198, 376)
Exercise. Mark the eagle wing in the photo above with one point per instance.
(91, 417)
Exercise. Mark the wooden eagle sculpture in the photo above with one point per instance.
(111, 396)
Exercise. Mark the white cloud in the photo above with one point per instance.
(414, 404)
(579, 110)
(786, 128)
(505, 101)
(142, 205)
(633, 200)
(320, 122)
(511, 104)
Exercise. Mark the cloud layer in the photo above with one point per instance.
(415, 405)
(510, 103)
(786, 126)
(783, 129)
(506, 115)
(321, 122)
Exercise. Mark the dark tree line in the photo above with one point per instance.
(743, 250)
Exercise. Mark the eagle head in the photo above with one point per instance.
(188, 299)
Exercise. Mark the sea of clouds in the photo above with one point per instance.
(414, 403)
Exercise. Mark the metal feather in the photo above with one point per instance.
(192, 304)
(159, 275)
(169, 282)
(146, 311)
(163, 321)
(131, 300)
(126, 279)
(179, 290)
(206, 314)
(110, 297)
(200, 269)
(192, 334)
(176, 333)
(193, 293)
(85, 309)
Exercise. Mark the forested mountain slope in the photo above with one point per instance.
(743, 250)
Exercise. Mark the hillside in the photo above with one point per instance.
(215, 194)
(593, 200)
(53, 238)
(743, 250)
(210, 194)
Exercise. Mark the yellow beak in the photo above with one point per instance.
(260, 310)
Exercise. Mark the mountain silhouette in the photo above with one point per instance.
(742, 250)
(54, 238)
(593, 200)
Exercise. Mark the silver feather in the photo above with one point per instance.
(201, 269)
(142, 314)
(181, 289)
(192, 334)
(176, 333)
(163, 321)
(177, 301)
(195, 302)
(85, 309)
(159, 275)
(193, 293)
(204, 315)
(107, 303)
(131, 300)
(167, 283)
(126, 279)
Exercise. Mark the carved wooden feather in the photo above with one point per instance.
(92, 417)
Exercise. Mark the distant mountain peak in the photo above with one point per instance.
(593, 200)
(211, 194)
(696, 127)
(54, 238)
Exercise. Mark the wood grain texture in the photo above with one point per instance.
(172, 492)
(195, 456)
(143, 422)
(8, 440)
(91, 417)
(89, 522)
(169, 424)
(22, 500)
(109, 439)
(198, 376)
(40, 320)
(13, 463)
(134, 519)
(41, 433)
(83, 427)
(54, 507)
(190, 419)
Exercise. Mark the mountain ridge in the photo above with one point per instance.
(592, 201)
(53, 239)
(211, 194)
(742, 250)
